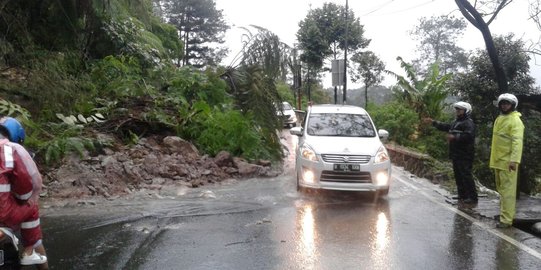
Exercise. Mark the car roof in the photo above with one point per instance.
(337, 108)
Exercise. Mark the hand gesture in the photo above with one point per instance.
(513, 166)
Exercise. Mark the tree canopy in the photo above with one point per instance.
(322, 34)
(437, 37)
(368, 68)
(200, 26)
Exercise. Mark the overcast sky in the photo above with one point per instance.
(386, 22)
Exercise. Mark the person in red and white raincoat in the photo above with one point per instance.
(20, 185)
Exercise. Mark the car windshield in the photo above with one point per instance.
(286, 106)
(336, 124)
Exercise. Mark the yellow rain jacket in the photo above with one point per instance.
(507, 137)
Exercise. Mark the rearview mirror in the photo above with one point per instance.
(383, 134)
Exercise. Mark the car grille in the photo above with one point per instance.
(346, 177)
(345, 159)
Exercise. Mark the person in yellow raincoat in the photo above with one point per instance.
(505, 155)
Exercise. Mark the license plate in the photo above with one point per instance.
(347, 167)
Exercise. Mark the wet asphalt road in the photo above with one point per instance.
(266, 224)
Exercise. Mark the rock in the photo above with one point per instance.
(246, 169)
(107, 160)
(152, 165)
(175, 144)
(264, 163)
(158, 181)
(223, 159)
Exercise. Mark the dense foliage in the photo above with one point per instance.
(397, 118)
(116, 59)
(322, 34)
(416, 96)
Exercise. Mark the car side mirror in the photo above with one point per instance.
(383, 134)
(296, 131)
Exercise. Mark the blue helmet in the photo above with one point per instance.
(15, 130)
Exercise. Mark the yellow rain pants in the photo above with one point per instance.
(506, 185)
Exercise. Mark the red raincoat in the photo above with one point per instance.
(20, 184)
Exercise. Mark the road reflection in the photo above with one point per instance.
(307, 246)
(506, 256)
(346, 231)
(382, 240)
(461, 244)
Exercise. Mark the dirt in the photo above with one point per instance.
(152, 167)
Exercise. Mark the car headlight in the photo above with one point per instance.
(382, 178)
(308, 153)
(381, 155)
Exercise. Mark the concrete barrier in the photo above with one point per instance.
(419, 164)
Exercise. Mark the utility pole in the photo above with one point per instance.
(346, 57)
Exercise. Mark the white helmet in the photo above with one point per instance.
(464, 106)
(509, 97)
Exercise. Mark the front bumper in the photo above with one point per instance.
(321, 175)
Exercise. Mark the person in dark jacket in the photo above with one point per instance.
(461, 137)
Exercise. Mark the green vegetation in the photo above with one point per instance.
(112, 71)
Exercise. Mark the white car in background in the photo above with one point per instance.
(287, 114)
(339, 149)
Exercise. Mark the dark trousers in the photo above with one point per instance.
(462, 168)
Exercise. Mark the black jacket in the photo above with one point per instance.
(462, 147)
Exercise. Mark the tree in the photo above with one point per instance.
(478, 85)
(322, 34)
(265, 49)
(369, 68)
(475, 17)
(437, 38)
(313, 44)
(252, 82)
(426, 95)
(200, 26)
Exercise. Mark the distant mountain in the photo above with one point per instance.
(376, 94)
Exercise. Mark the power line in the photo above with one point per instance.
(378, 8)
(402, 10)
(414, 7)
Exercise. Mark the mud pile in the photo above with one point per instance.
(152, 164)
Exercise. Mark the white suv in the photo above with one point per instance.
(339, 149)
